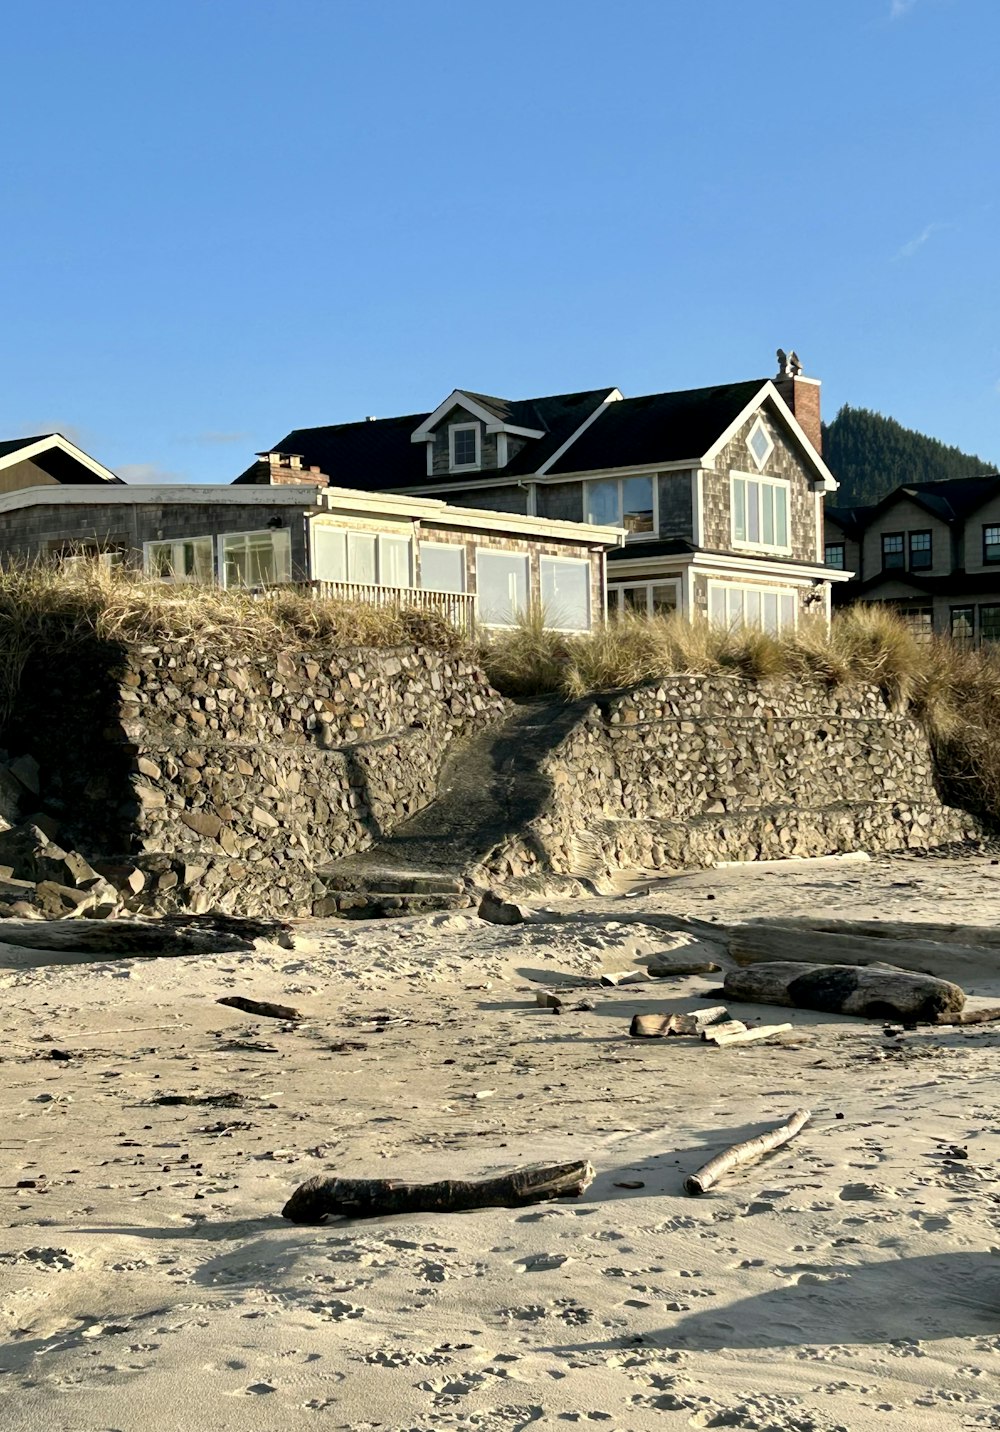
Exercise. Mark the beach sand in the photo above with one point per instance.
(147, 1281)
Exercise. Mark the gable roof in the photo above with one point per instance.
(591, 431)
(951, 500)
(60, 459)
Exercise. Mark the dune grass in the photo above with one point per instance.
(955, 693)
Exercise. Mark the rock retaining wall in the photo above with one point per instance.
(227, 780)
(700, 769)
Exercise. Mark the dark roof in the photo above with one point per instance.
(14, 444)
(950, 500)
(661, 427)
(851, 519)
(954, 584)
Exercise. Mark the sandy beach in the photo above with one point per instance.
(850, 1280)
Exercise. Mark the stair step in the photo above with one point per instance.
(366, 878)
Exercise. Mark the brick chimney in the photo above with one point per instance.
(283, 469)
(802, 396)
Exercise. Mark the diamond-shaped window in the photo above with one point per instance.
(760, 444)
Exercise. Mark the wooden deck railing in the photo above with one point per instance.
(457, 607)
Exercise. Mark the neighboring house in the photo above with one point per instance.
(290, 527)
(720, 490)
(931, 549)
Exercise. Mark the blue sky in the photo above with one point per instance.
(229, 218)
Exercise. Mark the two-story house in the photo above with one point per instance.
(719, 489)
(931, 549)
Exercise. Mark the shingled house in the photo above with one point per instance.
(720, 490)
(931, 550)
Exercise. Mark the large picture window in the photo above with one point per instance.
(735, 606)
(442, 567)
(759, 512)
(256, 559)
(367, 559)
(191, 560)
(628, 502)
(565, 585)
(502, 586)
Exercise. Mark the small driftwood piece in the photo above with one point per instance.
(972, 1016)
(263, 1007)
(660, 1026)
(314, 1200)
(872, 991)
(744, 1036)
(623, 977)
(746, 1152)
(723, 1030)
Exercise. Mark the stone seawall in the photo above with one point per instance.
(227, 779)
(700, 769)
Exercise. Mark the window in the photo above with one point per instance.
(760, 512)
(255, 559)
(835, 555)
(442, 567)
(366, 559)
(565, 586)
(736, 606)
(760, 444)
(181, 561)
(991, 544)
(989, 623)
(652, 599)
(78, 556)
(921, 555)
(893, 555)
(502, 586)
(963, 625)
(628, 502)
(919, 620)
(464, 442)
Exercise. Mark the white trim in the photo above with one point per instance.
(830, 483)
(454, 466)
(532, 502)
(687, 584)
(778, 592)
(759, 426)
(458, 399)
(223, 495)
(56, 440)
(501, 449)
(819, 527)
(175, 542)
(630, 537)
(729, 562)
(698, 506)
(430, 457)
(613, 397)
(744, 544)
(567, 561)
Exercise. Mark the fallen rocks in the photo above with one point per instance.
(872, 991)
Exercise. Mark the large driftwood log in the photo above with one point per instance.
(318, 1197)
(753, 944)
(746, 1152)
(875, 992)
(935, 932)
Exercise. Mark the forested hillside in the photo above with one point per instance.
(870, 455)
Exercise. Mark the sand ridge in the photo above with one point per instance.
(146, 1279)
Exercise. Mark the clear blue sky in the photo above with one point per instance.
(228, 218)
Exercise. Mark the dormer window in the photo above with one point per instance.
(463, 439)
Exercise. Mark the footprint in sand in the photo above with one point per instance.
(867, 1192)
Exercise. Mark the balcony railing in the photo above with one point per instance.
(459, 608)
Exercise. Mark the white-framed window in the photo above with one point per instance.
(442, 567)
(648, 599)
(759, 443)
(256, 559)
(369, 559)
(190, 559)
(463, 446)
(759, 507)
(565, 587)
(733, 605)
(501, 586)
(628, 502)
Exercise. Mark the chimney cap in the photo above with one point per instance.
(371, 418)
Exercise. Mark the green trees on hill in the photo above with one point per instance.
(870, 455)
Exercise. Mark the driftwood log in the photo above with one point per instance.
(262, 1007)
(934, 932)
(989, 1015)
(318, 1197)
(746, 1152)
(872, 991)
(659, 1026)
(754, 944)
(744, 1036)
(662, 967)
